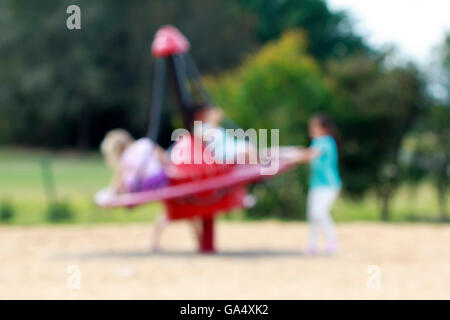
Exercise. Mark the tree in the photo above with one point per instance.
(441, 68)
(428, 152)
(67, 88)
(376, 108)
(330, 34)
(428, 148)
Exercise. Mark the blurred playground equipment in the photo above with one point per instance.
(195, 190)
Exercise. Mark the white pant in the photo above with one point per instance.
(319, 203)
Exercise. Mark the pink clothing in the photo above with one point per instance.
(139, 163)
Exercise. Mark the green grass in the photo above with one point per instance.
(78, 176)
(409, 204)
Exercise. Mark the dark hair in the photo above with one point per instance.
(327, 122)
(193, 111)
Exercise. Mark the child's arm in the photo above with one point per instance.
(117, 186)
(162, 156)
(308, 154)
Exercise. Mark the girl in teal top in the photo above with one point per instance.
(325, 182)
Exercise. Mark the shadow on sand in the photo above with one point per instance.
(241, 254)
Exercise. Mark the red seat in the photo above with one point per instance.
(204, 204)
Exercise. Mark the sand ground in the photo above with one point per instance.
(257, 260)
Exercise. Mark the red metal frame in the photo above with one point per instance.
(206, 238)
(205, 206)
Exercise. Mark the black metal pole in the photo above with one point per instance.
(182, 94)
(159, 82)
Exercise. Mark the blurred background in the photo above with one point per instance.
(383, 73)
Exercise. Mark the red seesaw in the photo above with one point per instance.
(195, 190)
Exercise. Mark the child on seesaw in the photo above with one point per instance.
(224, 147)
(228, 148)
(137, 165)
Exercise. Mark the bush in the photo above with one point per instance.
(6, 212)
(283, 197)
(60, 212)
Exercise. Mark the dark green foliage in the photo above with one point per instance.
(330, 34)
(427, 153)
(6, 212)
(283, 197)
(59, 212)
(375, 110)
(67, 88)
